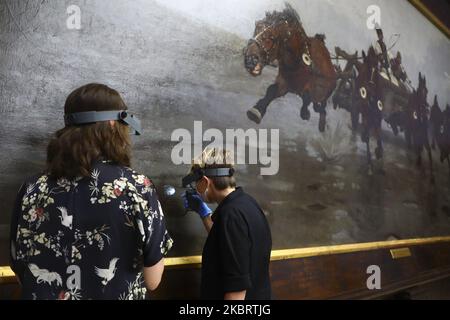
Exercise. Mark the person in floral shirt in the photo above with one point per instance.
(89, 226)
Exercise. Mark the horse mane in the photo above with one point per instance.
(371, 52)
(289, 14)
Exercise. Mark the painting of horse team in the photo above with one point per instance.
(373, 86)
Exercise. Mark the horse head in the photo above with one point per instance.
(419, 105)
(422, 91)
(262, 49)
(270, 33)
(436, 113)
(435, 103)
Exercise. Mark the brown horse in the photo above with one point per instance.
(369, 103)
(346, 93)
(305, 66)
(440, 130)
(396, 93)
(436, 122)
(445, 137)
(416, 131)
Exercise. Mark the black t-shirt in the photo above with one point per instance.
(236, 254)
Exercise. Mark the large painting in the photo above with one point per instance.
(357, 144)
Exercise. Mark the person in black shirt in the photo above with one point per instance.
(236, 255)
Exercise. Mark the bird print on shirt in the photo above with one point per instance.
(141, 228)
(43, 275)
(107, 274)
(66, 220)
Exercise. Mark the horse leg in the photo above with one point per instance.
(442, 155)
(379, 148)
(434, 135)
(335, 100)
(365, 137)
(365, 126)
(304, 112)
(369, 157)
(320, 108)
(419, 156)
(394, 129)
(274, 91)
(430, 159)
(355, 119)
(408, 138)
(393, 122)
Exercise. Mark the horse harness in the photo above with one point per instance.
(306, 56)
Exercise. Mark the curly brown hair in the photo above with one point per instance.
(73, 149)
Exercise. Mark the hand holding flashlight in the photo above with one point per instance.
(193, 202)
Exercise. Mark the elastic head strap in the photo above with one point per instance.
(100, 116)
(210, 172)
(219, 172)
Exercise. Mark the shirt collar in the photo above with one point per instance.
(230, 197)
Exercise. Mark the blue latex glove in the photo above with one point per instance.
(194, 202)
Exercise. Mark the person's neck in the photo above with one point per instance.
(222, 194)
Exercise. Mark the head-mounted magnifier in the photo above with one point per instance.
(99, 116)
(197, 174)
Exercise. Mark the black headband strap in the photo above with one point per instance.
(218, 172)
(197, 174)
(99, 116)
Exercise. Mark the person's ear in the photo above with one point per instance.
(112, 123)
(202, 185)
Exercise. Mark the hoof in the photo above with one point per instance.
(322, 124)
(378, 153)
(395, 131)
(254, 115)
(354, 125)
(305, 114)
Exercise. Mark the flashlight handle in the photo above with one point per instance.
(190, 191)
(194, 202)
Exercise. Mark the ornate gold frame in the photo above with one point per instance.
(430, 16)
(8, 276)
(319, 251)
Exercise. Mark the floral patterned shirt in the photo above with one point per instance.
(87, 238)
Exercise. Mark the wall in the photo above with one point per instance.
(179, 61)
